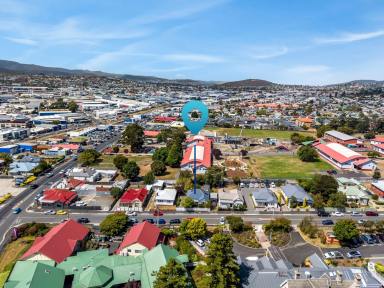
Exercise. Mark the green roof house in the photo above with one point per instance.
(35, 274)
(97, 269)
(354, 190)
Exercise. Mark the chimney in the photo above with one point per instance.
(357, 281)
(297, 274)
(339, 277)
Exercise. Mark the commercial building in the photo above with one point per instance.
(203, 155)
(14, 134)
(339, 137)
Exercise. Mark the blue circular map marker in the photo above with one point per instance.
(195, 125)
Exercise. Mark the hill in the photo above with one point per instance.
(246, 83)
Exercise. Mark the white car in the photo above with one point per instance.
(131, 213)
(272, 185)
(356, 214)
(80, 204)
(333, 255)
(200, 243)
(222, 221)
(50, 212)
(337, 213)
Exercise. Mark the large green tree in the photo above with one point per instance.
(72, 106)
(175, 155)
(89, 156)
(221, 262)
(307, 154)
(345, 230)
(337, 200)
(158, 168)
(194, 228)
(114, 224)
(131, 170)
(133, 135)
(149, 178)
(119, 161)
(172, 275)
(214, 176)
(160, 154)
(324, 185)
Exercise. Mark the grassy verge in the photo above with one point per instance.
(247, 238)
(280, 239)
(253, 133)
(285, 167)
(317, 241)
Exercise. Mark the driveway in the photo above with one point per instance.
(244, 251)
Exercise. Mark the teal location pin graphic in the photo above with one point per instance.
(195, 125)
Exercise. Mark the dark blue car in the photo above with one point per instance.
(161, 221)
(327, 222)
(150, 220)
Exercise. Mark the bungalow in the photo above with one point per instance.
(57, 198)
(203, 156)
(59, 243)
(378, 188)
(200, 196)
(338, 155)
(262, 197)
(133, 200)
(292, 190)
(378, 147)
(229, 198)
(166, 196)
(141, 237)
(339, 137)
(304, 122)
(354, 190)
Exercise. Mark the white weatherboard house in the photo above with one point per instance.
(166, 196)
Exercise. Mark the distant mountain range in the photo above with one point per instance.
(19, 68)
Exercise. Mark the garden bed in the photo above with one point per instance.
(247, 238)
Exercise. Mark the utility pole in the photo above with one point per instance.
(194, 168)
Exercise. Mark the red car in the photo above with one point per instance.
(371, 213)
(158, 213)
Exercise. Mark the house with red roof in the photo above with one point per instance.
(304, 121)
(378, 140)
(60, 242)
(341, 157)
(58, 198)
(165, 119)
(151, 133)
(203, 154)
(140, 238)
(378, 147)
(134, 200)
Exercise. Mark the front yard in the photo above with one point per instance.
(247, 238)
(253, 133)
(285, 167)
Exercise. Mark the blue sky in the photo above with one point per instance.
(285, 41)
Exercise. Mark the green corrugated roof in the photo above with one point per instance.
(95, 277)
(31, 274)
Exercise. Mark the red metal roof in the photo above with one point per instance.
(361, 162)
(381, 146)
(134, 194)
(378, 139)
(60, 242)
(150, 133)
(165, 119)
(59, 195)
(207, 155)
(325, 149)
(73, 183)
(144, 233)
(67, 146)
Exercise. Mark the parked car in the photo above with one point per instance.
(131, 213)
(133, 221)
(222, 221)
(375, 238)
(200, 243)
(371, 213)
(356, 214)
(83, 220)
(34, 186)
(16, 210)
(61, 212)
(50, 212)
(174, 221)
(333, 255)
(337, 214)
(80, 204)
(327, 222)
(50, 174)
(322, 213)
(353, 243)
(161, 221)
(150, 220)
(361, 221)
(367, 239)
(381, 236)
(158, 213)
(353, 254)
(332, 172)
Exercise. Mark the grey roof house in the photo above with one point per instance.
(201, 196)
(289, 190)
(262, 197)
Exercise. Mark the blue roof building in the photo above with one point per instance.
(201, 196)
(17, 168)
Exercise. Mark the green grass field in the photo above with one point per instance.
(285, 167)
(252, 133)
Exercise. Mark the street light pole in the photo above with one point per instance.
(194, 168)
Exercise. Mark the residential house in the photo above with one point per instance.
(24, 165)
(58, 243)
(84, 173)
(166, 196)
(354, 190)
(377, 187)
(261, 197)
(304, 122)
(378, 140)
(229, 198)
(203, 155)
(200, 196)
(134, 200)
(60, 198)
(141, 237)
(35, 274)
(293, 190)
(378, 147)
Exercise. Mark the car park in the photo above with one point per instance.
(371, 213)
(327, 222)
(174, 221)
(353, 254)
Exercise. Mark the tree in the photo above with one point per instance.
(236, 223)
(6, 158)
(376, 175)
(72, 106)
(133, 135)
(115, 149)
(187, 202)
(175, 155)
(172, 275)
(43, 165)
(195, 228)
(89, 156)
(325, 185)
(308, 227)
(337, 200)
(131, 170)
(114, 224)
(369, 135)
(214, 176)
(293, 202)
(373, 154)
(149, 178)
(116, 192)
(221, 262)
(172, 135)
(318, 201)
(184, 182)
(307, 154)
(322, 129)
(119, 161)
(279, 224)
(160, 154)
(345, 230)
(158, 168)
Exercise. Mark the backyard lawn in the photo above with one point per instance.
(285, 167)
(253, 133)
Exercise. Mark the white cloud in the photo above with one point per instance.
(22, 41)
(349, 37)
(190, 57)
(261, 53)
(303, 69)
